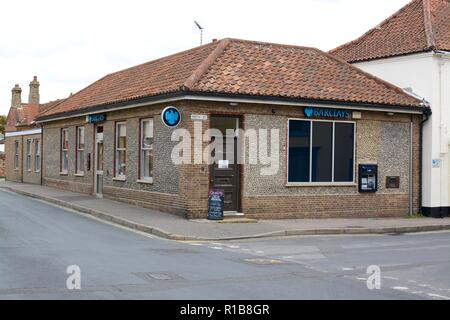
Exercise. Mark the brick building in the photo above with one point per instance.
(23, 140)
(346, 143)
(2, 156)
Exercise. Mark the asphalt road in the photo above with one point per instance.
(38, 242)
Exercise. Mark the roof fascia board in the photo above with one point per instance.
(247, 100)
(417, 55)
(442, 54)
(22, 133)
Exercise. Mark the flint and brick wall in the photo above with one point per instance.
(162, 194)
(380, 139)
(183, 189)
(21, 174)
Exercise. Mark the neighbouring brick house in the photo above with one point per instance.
(23, 139)
(109, 139)
(411, 49)
(2, 156)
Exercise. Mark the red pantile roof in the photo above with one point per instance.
(21, 118)
(24, 117)
(240, 67)
(420, 26)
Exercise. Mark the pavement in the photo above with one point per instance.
(40, 242)
(174, 227)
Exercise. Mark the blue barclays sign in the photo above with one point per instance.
(312, 112)
(96, 118)
(171, 117)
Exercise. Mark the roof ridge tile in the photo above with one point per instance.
(431, 41)
(206, 64)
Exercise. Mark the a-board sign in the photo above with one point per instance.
(216, 201)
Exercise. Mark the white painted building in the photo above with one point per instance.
(411, 49)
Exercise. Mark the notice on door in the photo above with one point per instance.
(216, 202)
(224, 164)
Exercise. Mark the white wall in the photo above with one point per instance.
(2, 148)
(421, 72)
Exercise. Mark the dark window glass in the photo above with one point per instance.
(344, 157)
(299, 150)
(322, 151)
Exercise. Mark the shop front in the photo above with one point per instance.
(339, 147)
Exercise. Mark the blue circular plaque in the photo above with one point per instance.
(171, 117)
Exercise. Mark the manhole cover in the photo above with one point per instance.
(263, 261)
(159, 276)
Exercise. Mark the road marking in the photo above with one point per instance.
(232, 246)
(400, 288)
(216, 248)
(362, 279)
(348, 269)
(391, 278)
(438, 296)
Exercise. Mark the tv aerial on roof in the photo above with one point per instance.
(201, 31)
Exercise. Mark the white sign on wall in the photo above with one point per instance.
(199, 117)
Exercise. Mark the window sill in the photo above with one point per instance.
(122, 179)
(63, 173)
(80, 175)
(145, 181)
(321, 184)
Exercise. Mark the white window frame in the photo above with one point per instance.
(117, 150)
(28, 146)
(143, 178)
(310, 183)
(64, 134)
(16, 154)
(37, 155)
(79, 169)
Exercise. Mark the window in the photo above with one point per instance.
(28, 153)
(16, 155)
(321, 151)
(80, 151)
(37, 155)
(121, 149)
(146, 149)
(64, 150)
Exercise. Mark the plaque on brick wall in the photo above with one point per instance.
(216, 202)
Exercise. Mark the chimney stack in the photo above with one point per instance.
(33, 98)
(16, 101)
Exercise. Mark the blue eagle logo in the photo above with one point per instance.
(308, 112)
(172, 117)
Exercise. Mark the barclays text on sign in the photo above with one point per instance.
(96, 118)
(327, 113)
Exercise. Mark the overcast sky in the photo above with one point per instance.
(70, 44)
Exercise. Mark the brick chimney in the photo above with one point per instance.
(16, 101)
(33, 98)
